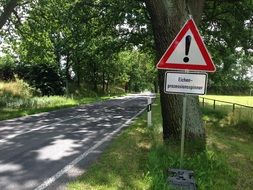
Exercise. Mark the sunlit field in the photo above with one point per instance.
(244, 100)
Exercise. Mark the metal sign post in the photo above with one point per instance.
(187, 52)
(183, 131)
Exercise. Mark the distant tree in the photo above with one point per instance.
(228, 31)
(136, 70)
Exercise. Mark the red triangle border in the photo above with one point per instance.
(189, 25)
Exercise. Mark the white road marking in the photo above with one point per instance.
(64, 170)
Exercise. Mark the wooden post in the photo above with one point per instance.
(214, 104)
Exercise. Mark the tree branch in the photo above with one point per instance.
(8, 9)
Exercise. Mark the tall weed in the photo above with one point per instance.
(15, 93)
(17, 88)
(241, 117)
(19, 95)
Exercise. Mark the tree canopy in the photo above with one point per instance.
(228, 31)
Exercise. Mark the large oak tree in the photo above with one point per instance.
(167, 17)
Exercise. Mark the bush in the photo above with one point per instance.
(13, 94)
(44, 77)
(7, 69)
(47, 78)
(17, 88)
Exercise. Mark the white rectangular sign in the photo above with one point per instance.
(185, 83)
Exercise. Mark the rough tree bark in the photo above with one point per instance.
(167, 17)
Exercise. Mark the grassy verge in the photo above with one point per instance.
(138, 159)
(123, 165)
(17, 106)
(234, 142)
(17, 99)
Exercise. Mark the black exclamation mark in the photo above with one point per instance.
(187, 47)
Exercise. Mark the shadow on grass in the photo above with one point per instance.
(210, 169)
(13, 112)
(232, 138)
(123, 165)
(139, 159)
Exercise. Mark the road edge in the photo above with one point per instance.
(74, 162)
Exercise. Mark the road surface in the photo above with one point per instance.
(45, 151)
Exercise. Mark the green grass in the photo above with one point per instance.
(231, 133)
(11, 107)
(16, 99)
(138, 159)
(123, 165)
(240, 116)
(235, 143)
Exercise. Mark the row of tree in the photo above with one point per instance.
(91, 43)
(97, 43)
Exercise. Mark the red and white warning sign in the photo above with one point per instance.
(187, 51)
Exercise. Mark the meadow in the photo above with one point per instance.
(245, 100)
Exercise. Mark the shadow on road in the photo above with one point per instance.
(35, 148)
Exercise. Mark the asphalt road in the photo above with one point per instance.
(47, 150)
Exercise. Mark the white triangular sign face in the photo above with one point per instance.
(194, 55)
(187, 51)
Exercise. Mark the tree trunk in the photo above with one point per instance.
(95, 85)
(67, 75)
(103, 80)
(167, 17)
(78, 72)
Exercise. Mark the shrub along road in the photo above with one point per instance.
(45, 151)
